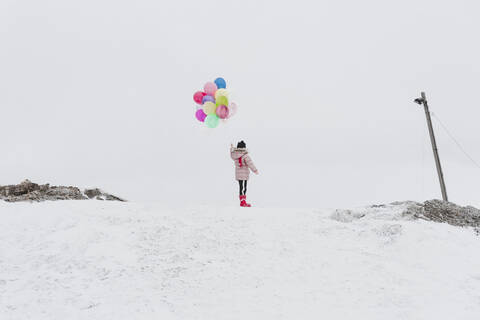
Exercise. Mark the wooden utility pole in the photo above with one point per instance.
(423, 100)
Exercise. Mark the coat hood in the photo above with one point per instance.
(238, 152)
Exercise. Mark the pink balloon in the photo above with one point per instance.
(200, 115)
(232, 108)
(222, 112)
(198, 96)
(210, 88)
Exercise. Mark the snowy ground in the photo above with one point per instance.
(107, 260)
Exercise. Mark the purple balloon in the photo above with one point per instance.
(208, 98)
(200, 115)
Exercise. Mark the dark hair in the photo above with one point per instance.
(241, 144)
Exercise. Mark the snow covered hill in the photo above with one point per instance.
(110, 260)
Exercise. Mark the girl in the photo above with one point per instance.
(243, 165)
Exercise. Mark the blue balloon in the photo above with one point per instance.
(208, 98)
(220, 82)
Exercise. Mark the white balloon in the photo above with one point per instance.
(232, 109)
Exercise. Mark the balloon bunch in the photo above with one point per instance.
(213, 103)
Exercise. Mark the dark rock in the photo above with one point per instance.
(444, 212)
(20, 189)
(29, 191)
(100, 195)
(92, 193)
(110, 197)
(441, 211)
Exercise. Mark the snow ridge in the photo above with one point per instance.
(112, 260)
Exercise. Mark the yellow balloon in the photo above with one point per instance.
(222, 100)
(209, 107)
(221, 92)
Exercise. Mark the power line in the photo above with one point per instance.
(455, 141)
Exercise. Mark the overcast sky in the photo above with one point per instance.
(99, 93)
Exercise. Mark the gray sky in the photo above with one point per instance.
(99, 93)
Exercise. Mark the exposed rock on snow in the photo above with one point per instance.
(100, 195)
(440, 211)
(444, 212)
(432, 210)
(29, 191)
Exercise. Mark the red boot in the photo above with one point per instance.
(243, 202)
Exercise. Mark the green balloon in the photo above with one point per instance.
(212, 121)
(222, 101)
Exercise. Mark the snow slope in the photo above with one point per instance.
(107, 260)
